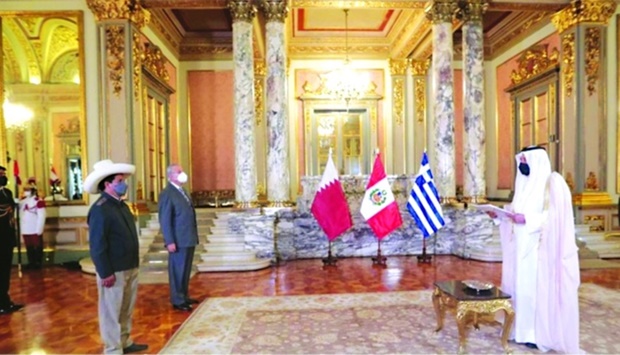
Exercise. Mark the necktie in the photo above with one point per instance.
(185, 195)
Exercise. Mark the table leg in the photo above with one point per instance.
(461, 323)
(508, 319)
(439, 308)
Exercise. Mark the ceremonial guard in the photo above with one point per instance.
(32, 224)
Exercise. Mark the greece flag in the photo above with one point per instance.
(423, 203)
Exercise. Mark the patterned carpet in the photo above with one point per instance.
(367, 323)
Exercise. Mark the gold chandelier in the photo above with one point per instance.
(345, 83)
(16, 117)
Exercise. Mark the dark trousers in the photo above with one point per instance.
(179, 271)
(6, 261)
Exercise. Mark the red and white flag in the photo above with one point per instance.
(54, 177)
(330, 207)
(379, 207)
(18, 180)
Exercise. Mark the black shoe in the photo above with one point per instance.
(192, 301)
(134, 348)
(13, 307)
(182, 307)
(16, 307)
(531, 345)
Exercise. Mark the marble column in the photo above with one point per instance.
(398, 70)
(473, 101)
(583, 143)
(120, 66)
(278, 180)
(243, 12)
(443, 153)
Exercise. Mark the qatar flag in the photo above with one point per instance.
(330, 206)
(379, 207)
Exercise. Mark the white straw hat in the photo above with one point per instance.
(103, 169)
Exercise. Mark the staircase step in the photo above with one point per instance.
(225, 238)
(224, 248)
(250, 265)
(228, 257)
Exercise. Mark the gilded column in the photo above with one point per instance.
(473, 100)
(120, 64)
(419, 127)
(278, 180)
(583, 143)
(441, 13)
(243, 12)
(398, 70)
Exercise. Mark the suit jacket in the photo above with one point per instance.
(7, 219)
(112, 236)
(177, 218)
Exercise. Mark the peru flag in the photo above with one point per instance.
(53, 177)
(330, 206)
(379, 207)
(18, 180)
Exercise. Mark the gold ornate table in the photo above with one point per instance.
(469, 305)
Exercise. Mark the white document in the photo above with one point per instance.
(498, 211)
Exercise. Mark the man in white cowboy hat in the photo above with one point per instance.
(114, 249)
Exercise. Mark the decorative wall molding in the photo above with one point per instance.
(593, 57)
(115, 61)
(534, 61)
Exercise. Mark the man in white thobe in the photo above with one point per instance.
(540, 265)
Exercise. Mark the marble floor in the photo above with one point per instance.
(60, 316)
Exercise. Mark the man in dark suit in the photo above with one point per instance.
(177, 219)
(7, 243)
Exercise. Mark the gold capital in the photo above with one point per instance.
(242, 10)
(275, 10)
(398, 66)
(582, 11)
(440, 11)
(419, 67)
(472, 10)
(130, 10)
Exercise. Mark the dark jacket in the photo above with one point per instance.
(177, 218)
(113, 237)
(7, 219)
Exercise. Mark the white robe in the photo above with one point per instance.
(557, 312)
(520, 243)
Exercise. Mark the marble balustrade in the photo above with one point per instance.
(299, 235)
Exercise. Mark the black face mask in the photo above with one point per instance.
(524, 169)
(3, 180)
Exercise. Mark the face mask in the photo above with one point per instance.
(4, 180)
(120, 188)
(27, 193)
(524, 169)
(182, 178)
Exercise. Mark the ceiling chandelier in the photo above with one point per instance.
(345, 83)
(16, 117)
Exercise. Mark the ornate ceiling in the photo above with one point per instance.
(39, 49)
(202, 29)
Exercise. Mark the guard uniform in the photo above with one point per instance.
(32, 223)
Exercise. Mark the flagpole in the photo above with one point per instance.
(379, 259)
(424, 258)
(17, 230)
(330, 260)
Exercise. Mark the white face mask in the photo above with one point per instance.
(182, 177)
(27, 193)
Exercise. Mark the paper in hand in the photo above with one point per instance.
(498, 211)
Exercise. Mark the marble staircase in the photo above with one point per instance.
(605, 244)
(226, 251)
(592, 245)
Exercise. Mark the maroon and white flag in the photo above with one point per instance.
(379, 207)
(330, 207)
